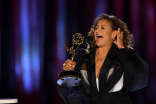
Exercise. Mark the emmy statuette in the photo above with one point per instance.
(71, 78)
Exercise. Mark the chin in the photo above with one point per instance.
(98, 45)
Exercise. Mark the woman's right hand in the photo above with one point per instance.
(69, 65)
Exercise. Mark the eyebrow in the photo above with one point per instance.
(101, 25)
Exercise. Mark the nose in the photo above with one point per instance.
(97, 31)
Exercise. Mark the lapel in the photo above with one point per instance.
(108, 63)
(93, 70)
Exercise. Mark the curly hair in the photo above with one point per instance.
(128, 40)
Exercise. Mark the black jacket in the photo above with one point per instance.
(125, 61)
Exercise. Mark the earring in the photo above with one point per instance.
(113, 39)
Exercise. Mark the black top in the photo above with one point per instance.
(125, 61)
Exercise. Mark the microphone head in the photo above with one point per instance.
(89, 39)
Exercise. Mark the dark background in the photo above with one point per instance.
(32, 34)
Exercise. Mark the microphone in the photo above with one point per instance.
(89, 39)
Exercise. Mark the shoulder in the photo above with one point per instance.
(80, 52)
(128, 51)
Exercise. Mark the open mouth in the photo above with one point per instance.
(99, 36)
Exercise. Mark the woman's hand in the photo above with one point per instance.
(69, 65)
(119, 41)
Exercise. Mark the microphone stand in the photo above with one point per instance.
(90, 55)
(89, 40)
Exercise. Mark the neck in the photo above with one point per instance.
(103, 50)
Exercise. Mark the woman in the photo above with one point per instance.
(116, 67)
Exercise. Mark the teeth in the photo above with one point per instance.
(99, 36)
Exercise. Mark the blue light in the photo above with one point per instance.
(100, 7)
(61, 30)
(25, 56)
(35, 65)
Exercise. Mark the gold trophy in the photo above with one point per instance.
(71, 78)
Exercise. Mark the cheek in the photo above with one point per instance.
(107, 36)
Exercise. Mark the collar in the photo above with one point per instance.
(109, 61)
(112, 51)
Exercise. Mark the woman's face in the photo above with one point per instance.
(103, 33)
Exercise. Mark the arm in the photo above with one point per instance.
(134, 67)
(72, 95)
(78, 61)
